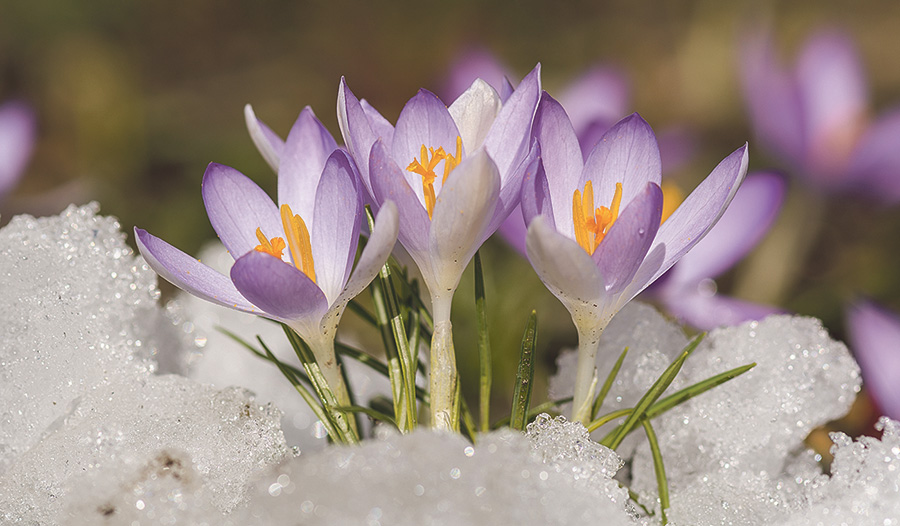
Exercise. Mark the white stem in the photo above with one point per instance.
(443, 383)
(585, 374)
(323, 350)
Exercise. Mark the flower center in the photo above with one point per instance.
(297, 238)
(425, 167)
(592, 224)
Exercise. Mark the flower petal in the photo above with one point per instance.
(707, 312)
(189, 274)
(278, 288)
(336, 225)
(747, 219)
(237, 207)
(560, 157)
(876, 160)
(536, 197)
(875, 337)
(602, 93)
(475, 64)
(306, 149)
(462, 213)
(513, 231)
(382, 129)
(509, 139)
(474, 112)
(622, 251)
(17, 136)
(389, 184)
(267, 142)
(626, 154)
(356, 129)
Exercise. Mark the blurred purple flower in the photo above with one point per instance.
(309, 287)
(814, 116)
(688, 290)
(594, 235)
(17, 137)
(875, 337)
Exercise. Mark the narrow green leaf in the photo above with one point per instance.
(603, 420)
(376, 415)
(484, 348)
(535, 411)
(374, 364)
(698, 388)
(465, 416)
(298, 373)
(356, 308)
(659, 468)
(524, 376)
(598, 402)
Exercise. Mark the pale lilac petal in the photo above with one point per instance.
(356, 129)
(565, 268)
(875, 164)
(747, 219)
(560, 156)
(474, 112)
(237, 207)
(509, 140)
(475, 64)
(626, 154)
(336, 224)
(306, 149)
(382, 129)
(513, 231)
(278, 288)
(267, 142)
(707, 312)
(189, 274)
(536, 198)
(511, 191)
(462, 213)
(506, 89)
(629, 239)
(875, 339)
(601, 93)
(389, 184)
(17, 136)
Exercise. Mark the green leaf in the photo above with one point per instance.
(598, 402)
(659, 468)
(535, 411)
(465, 416)
(524, 376)
(609, 417)
(696, 389)
(377, 415)
(484, 349)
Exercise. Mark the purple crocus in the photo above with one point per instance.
(815, 116)
(875, 338)
(293, 260)
(17, 137)
(455, 173)
(688, 290)
(594, 234)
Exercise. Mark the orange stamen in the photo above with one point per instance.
(274, 247)
(592, 224)
(672, 198)
(426, 166)
(298, 241)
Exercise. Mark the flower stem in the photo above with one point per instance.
(323, 350)
(585, 374)
(444, 381)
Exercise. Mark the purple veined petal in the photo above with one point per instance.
(267, 142)
(693, 219)
(462, 213)
(278, 288)
(566, 269)
(306, 149)
(707, 312)
(474, 64)
(378, 248)
(602, 93)
(382, 129)
(626, 154)
(423, 121)
(513, 231)
(875, 338)
(190, 275)
(536, 199)
(832, 88)
(875, 163)
(389, 184)
(336, 224)
(622, 251)
(506, 89)
(509, 139)
(356, 129)
(237, 207)
(561, 159)
(474, 112)
(744, 223)
(773, 99)
(511, 192)
(17, 137)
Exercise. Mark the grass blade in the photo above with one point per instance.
(535, 411)
(376, 415)
(524, 376)
(696, 389)
(659, 468)
(598, 402)
(484, 349)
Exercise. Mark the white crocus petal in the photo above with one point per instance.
(474, 112)
(267, 142)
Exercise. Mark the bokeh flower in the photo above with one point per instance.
(17, 137)
(875, 340)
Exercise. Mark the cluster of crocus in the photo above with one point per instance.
(815, 116)
(17, 136)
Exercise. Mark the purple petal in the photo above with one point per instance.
(747, 219)
(513, 231)
(875, 163)
(707, 312)
(626, 154)
(560, 157)
(306, 149)
(278, 288)
(509, 140)
(267, 142)
(590, 135)
(382, 129)
(875, 337)
(389, 184)
(474, 112)
(462, 213)
(536, 198)
(622, 251)
(17, 136)
(506, 89)
(356, 129)
(237, 207)
(475, 64)
(189, 274)
(600, 94)
(335, 227)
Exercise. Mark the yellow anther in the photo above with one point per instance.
(672, 198)
(298, 241)
(592, 224)
(274, 247)
(425, 167)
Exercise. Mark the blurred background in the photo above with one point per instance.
(134, 99)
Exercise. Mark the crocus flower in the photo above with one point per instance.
(17, 135)
(293, 261)
(815, 116)
(875, 338)
(594, 234)
(455, 173)
(688, 290)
